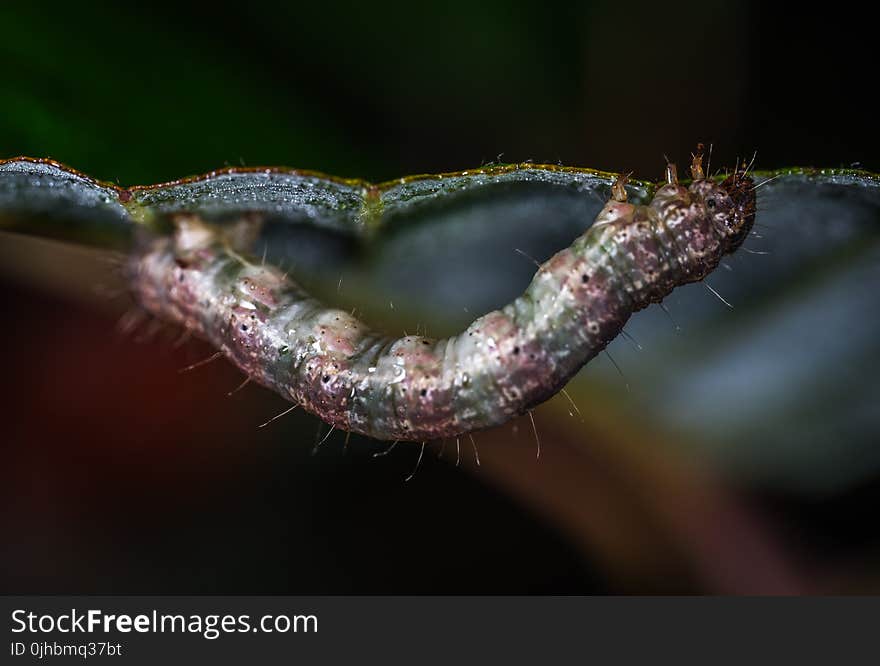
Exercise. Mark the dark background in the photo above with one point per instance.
(120, 475)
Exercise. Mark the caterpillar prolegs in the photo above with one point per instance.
(418, 388)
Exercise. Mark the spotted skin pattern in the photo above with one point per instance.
(416, 388)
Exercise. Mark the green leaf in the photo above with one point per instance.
(782, 389)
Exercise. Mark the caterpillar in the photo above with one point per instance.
(416, 388)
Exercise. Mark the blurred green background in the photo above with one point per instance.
(123, 476)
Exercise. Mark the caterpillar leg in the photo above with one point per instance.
(697, 164)
(618, 189)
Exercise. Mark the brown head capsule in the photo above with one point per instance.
(730, 205)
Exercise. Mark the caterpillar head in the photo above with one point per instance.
(730, 205)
